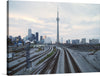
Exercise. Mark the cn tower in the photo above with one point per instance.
(57, 26)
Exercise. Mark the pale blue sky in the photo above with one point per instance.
(76, 20)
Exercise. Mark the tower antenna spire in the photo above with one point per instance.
(57, 11)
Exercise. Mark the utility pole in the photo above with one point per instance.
(28, 55)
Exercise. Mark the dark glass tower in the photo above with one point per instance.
(37, 35)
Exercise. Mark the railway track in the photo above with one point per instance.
(10, 60)
(23, 55)
(33, 58)
(48, 66)
(52, 65)
(67, 68)
(70, 64)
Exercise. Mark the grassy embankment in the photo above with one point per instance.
(48, 55)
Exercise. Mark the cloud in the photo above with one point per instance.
(47, 32)
(26, 18)
(79, 9)
(16, 21)
(33, 9)
(76, 20)
(17, 31)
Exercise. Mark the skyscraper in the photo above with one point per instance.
(41, 38)
(83, 41)
(77, 41)
(37, 36)
(33, 37)
(29, 33)
(57, 26)
(68, 41)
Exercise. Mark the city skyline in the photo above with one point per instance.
(44, 39)
(76, 20)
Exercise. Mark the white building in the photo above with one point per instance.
(47, 40)
(93, 41)
(29, 33)
(83, 41)
(25, 38)
(61, 40)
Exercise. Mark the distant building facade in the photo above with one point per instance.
(61, 40)
(67, 41)
(41, 39)
(37, 35)
(83, 41)
(94, 41)
(33, 37)
(29, 34)
(77, 41)
(47, 40)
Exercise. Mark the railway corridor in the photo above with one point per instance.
(66, 63)
(60, 66)
(53, 61)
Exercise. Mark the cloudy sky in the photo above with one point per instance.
(76, 20)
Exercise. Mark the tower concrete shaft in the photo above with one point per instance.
(57, 26)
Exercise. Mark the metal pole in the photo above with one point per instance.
(27, 55)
